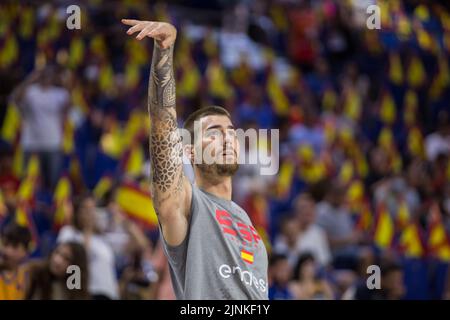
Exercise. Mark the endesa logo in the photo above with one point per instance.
(247, 277)
(244, 233)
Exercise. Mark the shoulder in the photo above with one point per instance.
(317, 230)
(67, 233)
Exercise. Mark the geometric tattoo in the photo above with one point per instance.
(165, 140)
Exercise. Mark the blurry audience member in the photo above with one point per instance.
(286, 242)
(164, 289)
(48, 278)
(335, 219)
(101, 261)
(312, 238)
(43, 104)
(438, 142)
(139, 278)
(391, 287)
(14, 250)
(279, 275)
(306, 284)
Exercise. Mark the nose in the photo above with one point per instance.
(229, 138)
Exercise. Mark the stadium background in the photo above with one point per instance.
(363, 118)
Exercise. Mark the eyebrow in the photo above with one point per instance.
(217, 126)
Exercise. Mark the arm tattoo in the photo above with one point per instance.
(165, 140)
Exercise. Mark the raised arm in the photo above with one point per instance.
(171, 190)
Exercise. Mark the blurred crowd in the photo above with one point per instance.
(364, 152)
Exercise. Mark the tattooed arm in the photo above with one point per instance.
(171, 190)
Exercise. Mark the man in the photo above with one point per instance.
(312, 237)
(214, 251)
(334, 217)
(43, 105)
(14, 246)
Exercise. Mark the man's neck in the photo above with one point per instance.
(220, 187)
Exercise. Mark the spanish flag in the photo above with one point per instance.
(137, 204)
(25, 198)
(416, 72)
(11, 124)
(364, 219)
(415, 142)
(395, 69)
(438, 241)
(103, 186)
(3, 208)
(410, 242)
(410, 108)
(403, 216)
(276, 94)
(388, 112)
(61, 200)
(285, 177)
(247, 256)
(384, 228)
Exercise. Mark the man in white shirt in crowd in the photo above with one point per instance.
(43, 104)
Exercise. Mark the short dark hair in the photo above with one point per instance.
(203, 112)
(275, 258)
(77, 206)
(390, 267)
(15, 234)
(302, 259)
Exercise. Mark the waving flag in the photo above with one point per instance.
(25, 198)
(137, 204)
(384, 228)
(395, 69)
(438, 241)
(11, 124)
(62, 201)
(410, 242)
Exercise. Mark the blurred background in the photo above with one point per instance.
(364, 153)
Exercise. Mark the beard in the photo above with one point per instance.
(218, 170)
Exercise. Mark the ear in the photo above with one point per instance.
(188, 151)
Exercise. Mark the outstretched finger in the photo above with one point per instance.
(145, 32)
(130, 22)
(154, 32)
(137, 27)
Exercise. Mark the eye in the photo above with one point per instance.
(231, 132)
(213, 133)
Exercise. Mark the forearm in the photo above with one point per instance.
(165, 140)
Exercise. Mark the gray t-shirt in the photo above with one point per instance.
(222, 256)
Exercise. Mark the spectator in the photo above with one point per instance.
(48, 277)
(391, 287)
(101, 261)
(43, 105)
(286, 242)
(312, 237)
(306, 284)
(14, 251)
(335, 219)
(439, 142)
(279, 275)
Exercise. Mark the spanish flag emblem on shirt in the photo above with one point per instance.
(247, 256)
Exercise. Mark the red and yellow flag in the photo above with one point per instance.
(247, 256)
(137, 204)
(62, 202)
(410, 242)
(384, 228)
(438, 242)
